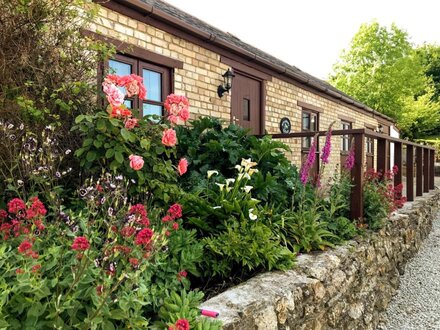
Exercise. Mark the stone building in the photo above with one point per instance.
(176, 52)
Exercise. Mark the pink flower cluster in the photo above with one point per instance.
(173, 213)
(349, 162)
(326, 150)
(181, 324)
(133, 85)
(22, 219)
(308, 164)
(80, 243)
(177, 107)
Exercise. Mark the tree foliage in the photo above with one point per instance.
(383, 70)
(380, 69)
(430, 57)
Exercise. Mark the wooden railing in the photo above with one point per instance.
(423, 161)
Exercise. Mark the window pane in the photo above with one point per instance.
(314, 122)
(153, 84)
(128, 104)
(119, 68)
(246, 109)
(306, 121)
(151, 109)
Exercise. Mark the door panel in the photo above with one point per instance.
(246, 103)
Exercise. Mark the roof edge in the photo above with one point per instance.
(151, 10)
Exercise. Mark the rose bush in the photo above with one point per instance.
(139, 148)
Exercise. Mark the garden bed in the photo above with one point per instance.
(343, 288)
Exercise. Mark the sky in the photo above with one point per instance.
(310, 34)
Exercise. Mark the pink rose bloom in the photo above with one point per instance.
(114, 96)
(173, 119)
(136, 162)
(184, 114)
(182, 167)
(169, 138)
(171, 104)
(177, 105)
(131, 123)
(134, 86)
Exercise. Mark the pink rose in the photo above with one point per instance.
(114, 96)
(173, 119)
(131, 123)
(184, 114)
(134, 85)
(136, 162)
(177, 105)
(169, 138)
(182, 167)
(132, 88)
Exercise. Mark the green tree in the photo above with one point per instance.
(380, 69)
(430, 57)
(383, 70)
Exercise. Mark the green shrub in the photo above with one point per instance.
(244, 247)
(335, 208)
(305, 231)
(229, 221)
(209, 146)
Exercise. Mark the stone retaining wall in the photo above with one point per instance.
(344, 288)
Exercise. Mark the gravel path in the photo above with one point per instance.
(417, 304)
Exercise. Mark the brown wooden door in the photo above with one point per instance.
(246, 103)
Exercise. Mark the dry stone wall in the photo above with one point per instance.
(344, 288)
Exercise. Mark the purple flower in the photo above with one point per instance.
(327, 147)
(349, 162)
(305, 169)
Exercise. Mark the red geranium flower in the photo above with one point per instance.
(16, 205)
(80, 243)
(36, 268)
(144, 237)
(3, 215)
(181, 324)
(24, 246)
(175, 211)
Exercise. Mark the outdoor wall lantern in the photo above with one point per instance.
(379, 129)
(227, 83)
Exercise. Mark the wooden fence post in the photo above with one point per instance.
(357, 176)
(382, 153)
(425, 170)
(432, 169)
(398, 162)
(409, 172)
(419, 171)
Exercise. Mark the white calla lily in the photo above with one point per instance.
(211, 173)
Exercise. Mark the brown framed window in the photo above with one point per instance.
(157, 81)
(369, 145)
(309, 123)
(345, 139)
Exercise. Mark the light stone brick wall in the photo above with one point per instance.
(201, 74)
